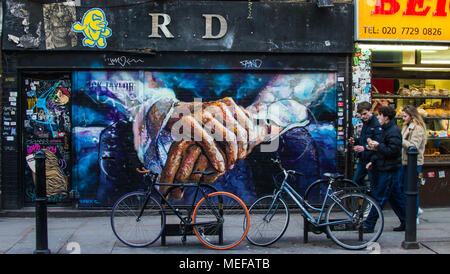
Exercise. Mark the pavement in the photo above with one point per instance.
(89, 232)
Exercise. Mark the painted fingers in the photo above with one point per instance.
(213, 137)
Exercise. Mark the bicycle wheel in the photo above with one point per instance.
(268, 220)
(219, 220)
(350, 210)
(133, 231)
(315, 193)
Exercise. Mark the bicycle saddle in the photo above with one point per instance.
(204, 172)
(334, 176)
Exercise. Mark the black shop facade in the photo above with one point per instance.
(94, 87)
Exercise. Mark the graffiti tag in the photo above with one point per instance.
(113, 85)
(122, 61)
(36, 147)
(251, 64)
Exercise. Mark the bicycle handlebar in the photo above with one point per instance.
(286, 172)
(295, 172)
(145, 171)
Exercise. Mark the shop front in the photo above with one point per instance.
(97, 86)
(407, 45)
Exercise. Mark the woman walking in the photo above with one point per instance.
(413, 134)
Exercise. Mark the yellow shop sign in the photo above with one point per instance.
(403, 20)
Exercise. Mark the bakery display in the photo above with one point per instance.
(432, 101)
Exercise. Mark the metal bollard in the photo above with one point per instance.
(411, 192)
(41, 205)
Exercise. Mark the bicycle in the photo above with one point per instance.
(343, 218)
(138, 218)
(315, 193)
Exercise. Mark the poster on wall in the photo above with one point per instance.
(362, 84)
(58, 19)
(176, 122)
(47, 127)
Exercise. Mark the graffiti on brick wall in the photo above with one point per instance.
(47, 127)
(123, 120)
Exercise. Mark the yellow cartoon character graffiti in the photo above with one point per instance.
(94, 27)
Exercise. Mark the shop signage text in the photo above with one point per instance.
(180, 26)
(157, 26)
(403, 20)
(413, 7)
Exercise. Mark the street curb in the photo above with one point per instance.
(67, 212)
(55, 213)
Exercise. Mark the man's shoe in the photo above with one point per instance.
(367, 229)
(420, 211)
(401, 227)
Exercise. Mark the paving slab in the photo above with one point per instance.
(93, 235)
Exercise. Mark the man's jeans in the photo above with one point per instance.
(361, 172)
(387, 188)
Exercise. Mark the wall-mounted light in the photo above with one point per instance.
(385, 47)
(425, 69)
(444, 62)
(435, 57)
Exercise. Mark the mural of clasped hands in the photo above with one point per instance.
(213, 136)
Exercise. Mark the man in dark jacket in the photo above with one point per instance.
(371, 129)
(387, 160)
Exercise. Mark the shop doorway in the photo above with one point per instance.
(46, 118)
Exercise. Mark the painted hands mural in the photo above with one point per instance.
(174, 123)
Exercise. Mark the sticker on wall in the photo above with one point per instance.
(47, 127)
(361, 75)
(48, 107)
(94, 27)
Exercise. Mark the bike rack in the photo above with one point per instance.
(178, 230)
(181, 229)
(309, 227)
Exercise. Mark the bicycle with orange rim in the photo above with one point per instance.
(219, 219)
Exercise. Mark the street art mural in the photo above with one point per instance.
(176, 122)
(47, 127)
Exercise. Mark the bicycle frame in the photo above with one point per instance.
(186, 221)
(299, 201)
